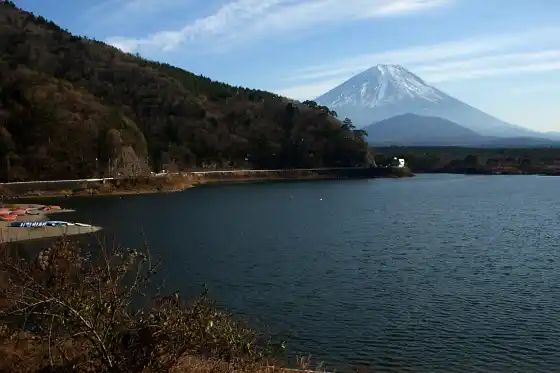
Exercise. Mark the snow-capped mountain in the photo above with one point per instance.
(385, 91)
(379, 86)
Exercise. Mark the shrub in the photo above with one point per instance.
(68, 311)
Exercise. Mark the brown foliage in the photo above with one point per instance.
(69, 105)
(65, 311)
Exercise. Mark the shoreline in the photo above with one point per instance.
(489, 172)
(178, 182)
(17, 234)
(169, 183)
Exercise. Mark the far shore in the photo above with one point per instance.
(15, 234)
(176, 182)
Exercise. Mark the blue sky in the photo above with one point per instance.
(501, 56)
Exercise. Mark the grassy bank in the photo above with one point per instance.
(181, 181)
(66, 311)
(124, 186)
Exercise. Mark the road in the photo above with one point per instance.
(186, 172)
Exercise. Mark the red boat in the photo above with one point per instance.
(19, 212)
(8, 217)
(52, 207)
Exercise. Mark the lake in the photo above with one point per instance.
(437, 273)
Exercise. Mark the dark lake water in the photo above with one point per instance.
(438, 273)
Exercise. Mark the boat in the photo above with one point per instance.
(19, 212)
(51, 207)
(28, 224)
(82, 225)
(45, 223)
(58, 223)
(8, 217)
(33, 211)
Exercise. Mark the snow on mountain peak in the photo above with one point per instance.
(385, 91)
(378, 86)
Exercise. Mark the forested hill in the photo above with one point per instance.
(71, 107)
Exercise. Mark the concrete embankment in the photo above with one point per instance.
(184, 180)
(297, 174)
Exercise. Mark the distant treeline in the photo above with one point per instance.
(475, 160)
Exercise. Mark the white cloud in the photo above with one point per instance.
(494, 71)
(308, 91)
(246, 20)
(484, 61)
(422, 54)
(492, 65)
(523, 52)
(537, 88)
(119, 12)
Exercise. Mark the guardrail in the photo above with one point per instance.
(57, 181)
(271, 170)
(102, 179)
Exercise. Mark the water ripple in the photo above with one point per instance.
(440, 273)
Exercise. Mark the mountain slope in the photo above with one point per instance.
(412, 129)
(385, 91)
(71, 107)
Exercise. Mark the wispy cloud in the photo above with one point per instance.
(422, 54)
(248, 20)
(531, 89)
(309, 90)
(119, 12)
(492, 66)
(523, 52)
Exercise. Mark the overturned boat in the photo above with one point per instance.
(48, 223)
(8, 217)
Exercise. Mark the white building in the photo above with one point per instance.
(398, 162)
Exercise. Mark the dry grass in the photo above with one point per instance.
(121, 186)
(196, 365)
(65, 311)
